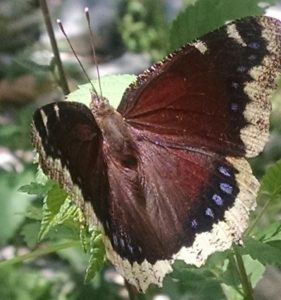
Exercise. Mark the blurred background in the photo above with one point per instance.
(130, 35)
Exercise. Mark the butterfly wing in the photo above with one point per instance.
(69, 144)
(178, 204)
(211, 94)
(194, 116)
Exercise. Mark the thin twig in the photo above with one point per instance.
(39, 252)
(48, 23)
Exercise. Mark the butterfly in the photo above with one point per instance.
(165, 176)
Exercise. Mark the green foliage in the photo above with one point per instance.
(97, 257)
(270, 233)
(112, 86)
(15, 135)
(207, 15)
(192, 282)
(143, 27)
(13, 203)
(266, 253)
(61, 219)
(271, 182)
(23, 285)
(35, 188)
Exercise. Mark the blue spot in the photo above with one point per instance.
(224, 171)
(217, 199)
(194, 223)
(254, 45)
(241, 69)
(209, 212)
(131, 249)
(122, 243)
(234, 106)
(115, 240)
(252, 57)
(227, 188)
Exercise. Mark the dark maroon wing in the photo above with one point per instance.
(211, 94)
(177, 204)
(69, 144)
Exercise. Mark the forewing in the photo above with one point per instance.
(211, 94)
(69, 143)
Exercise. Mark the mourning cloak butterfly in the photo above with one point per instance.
(164, 176)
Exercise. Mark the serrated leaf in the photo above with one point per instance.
(83, 230)
(271, 181)
(41, 177)
(113, 88)
(35, 188)
(97, 257)
(30, 233)
(51, 207)
(206, 15)
(67, 212)
(34, 213)
(265, 253)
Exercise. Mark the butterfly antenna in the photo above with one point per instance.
(92, 40)
(75, 54)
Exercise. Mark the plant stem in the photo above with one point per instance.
(39, 252)
(48, 23)
(133, 293)
(246, 285)
(257, 218)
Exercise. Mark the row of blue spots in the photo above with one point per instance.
(242, 68)
(224, 187)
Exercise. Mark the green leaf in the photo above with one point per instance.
(254, 269)
(97, 257)
(265, 253)
(35, 188)
(192, 283)
(30, 233)
(41, 177)
(13, 204)
(271, 181)
(270, 233)
(53, 203)
(34, 213)
(206, 15)
(112, 86)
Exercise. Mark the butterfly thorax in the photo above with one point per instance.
(117, 140)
